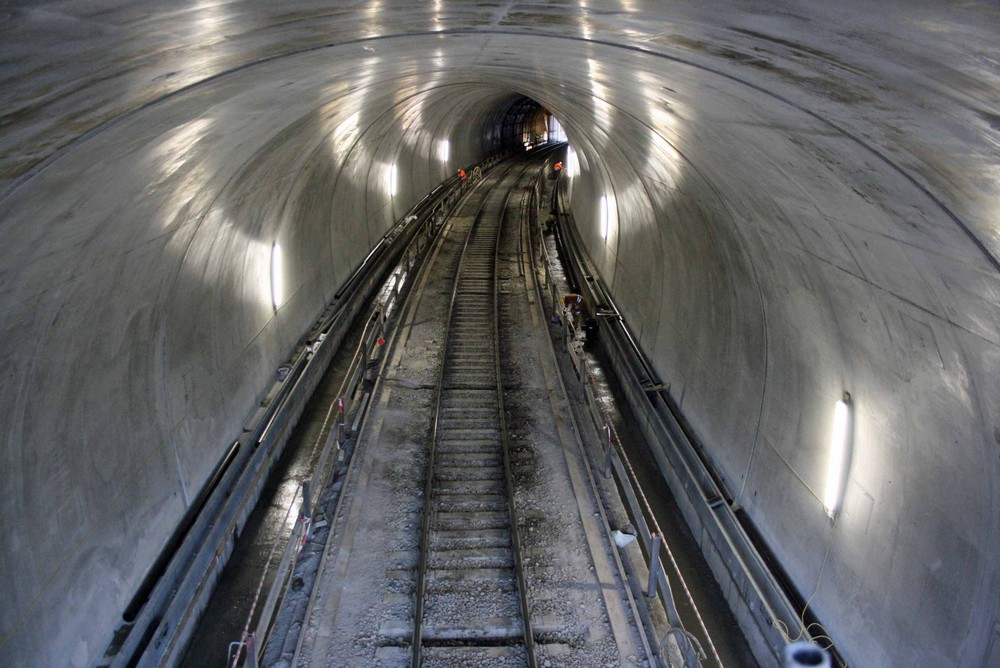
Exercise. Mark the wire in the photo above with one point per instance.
(320, 437)
(260, 584)
(804, 629)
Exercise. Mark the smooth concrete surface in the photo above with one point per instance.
(803, 199)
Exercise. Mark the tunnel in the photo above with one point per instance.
(790, 202)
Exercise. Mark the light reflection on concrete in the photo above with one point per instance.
(345, 134)
(372, 15)
(599, 94)
(174, 151)
(584, 21)
(572, 162)
(208, 30)
(437, 16)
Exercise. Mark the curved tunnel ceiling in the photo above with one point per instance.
(801, 202)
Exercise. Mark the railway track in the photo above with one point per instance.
(470, 592)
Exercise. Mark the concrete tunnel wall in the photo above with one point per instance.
(803, 201)
(142, 334)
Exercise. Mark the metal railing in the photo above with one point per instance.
(614, 462)
(758, 600)
(332, 437)
(422, 222)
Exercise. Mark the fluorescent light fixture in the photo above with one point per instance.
(277, 277)
(604, 216)
(571, 163)
(393, 180)
(840, 455)
(444, 150)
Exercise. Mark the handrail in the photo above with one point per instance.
(652, 540)
(415, 229)
(301, 528)
(681, 457)
(621, 465)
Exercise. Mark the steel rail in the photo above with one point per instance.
(515, 534)
(429, 497)
(418, 609)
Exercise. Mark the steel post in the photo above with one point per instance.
(608, 452)
(251, 652)
(654, 565)
(340, 421)
(306, 511)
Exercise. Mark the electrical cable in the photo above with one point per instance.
(804, 629)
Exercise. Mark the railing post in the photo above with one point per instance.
(608, 452)
(237, 644)
(372, 364)
(654, 565)
(306, 511)
(251, 652)
(340, 421)
(247, 644)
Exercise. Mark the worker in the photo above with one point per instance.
(558, 166)
(461, 174)
(573, 307)
(550, 223)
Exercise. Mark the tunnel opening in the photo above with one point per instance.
(529, 124)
